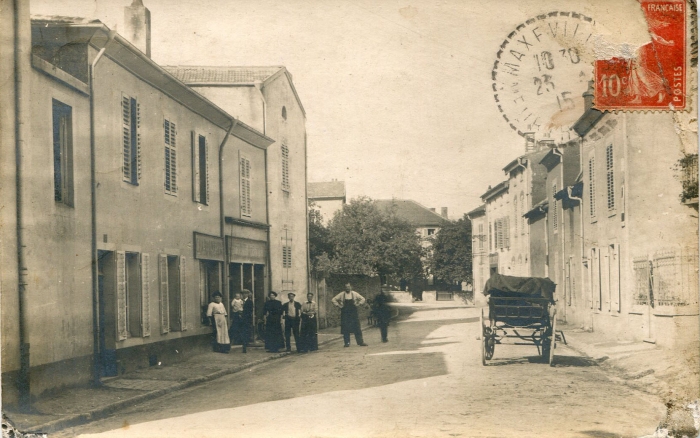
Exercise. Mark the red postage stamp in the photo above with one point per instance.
(655, 77)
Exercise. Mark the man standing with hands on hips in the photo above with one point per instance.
(292, 316)
(348, 302)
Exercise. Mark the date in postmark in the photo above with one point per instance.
(654, 77)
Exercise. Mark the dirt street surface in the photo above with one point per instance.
(427, 381)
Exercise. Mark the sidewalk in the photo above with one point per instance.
(83, 404)
(670, 374)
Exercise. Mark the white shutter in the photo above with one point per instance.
(206, 158)
(138, 142)
(183, 294)
(173, 158)
(121, 296)
(595, 278)
(145, 295)
(164, 310)
(195, 168)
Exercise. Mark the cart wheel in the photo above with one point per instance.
(553, 338)
(489, 346)
(546, 344)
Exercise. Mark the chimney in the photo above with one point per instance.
(433, 210)
(529, 142)
(137, 26)
(443, 212)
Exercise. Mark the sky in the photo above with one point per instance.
(398, 94)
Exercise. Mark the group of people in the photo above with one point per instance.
(300, 320)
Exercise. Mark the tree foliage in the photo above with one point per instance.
(451, 258)
(320, 247)
(366, 241)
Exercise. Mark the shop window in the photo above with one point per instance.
(63, 153)
(200, 169)
(131, 140)
(170, 132)
(208, 284)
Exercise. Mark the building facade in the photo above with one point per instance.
(121, 198)
(266, 99)
(328, 197)
(480, 252)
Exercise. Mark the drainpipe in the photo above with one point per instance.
(20, 62)
(96, 347)
(268, 259)
(222, 217)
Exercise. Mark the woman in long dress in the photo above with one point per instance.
(272, 311)
(309, 327)
(217, 315)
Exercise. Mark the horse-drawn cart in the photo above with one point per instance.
(521, 310)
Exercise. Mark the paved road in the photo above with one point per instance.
(427, 381)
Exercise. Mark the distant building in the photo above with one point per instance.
(480, 251)
(328, 197)
(266, 99)
(427, 222)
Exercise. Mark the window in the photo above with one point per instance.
(610, 177)
(286, 256)
(200, 169)
(131, 139)
(62, 153)
(555, 217)
(431, 231)
(246, 208)
(208, 284)
(285, 168)
(284, 112)
(490, 236)
(502, 231)
(591, 186)
(133, 295)
(522, 213)
(170, 132)
(481, 236)
(173, 291)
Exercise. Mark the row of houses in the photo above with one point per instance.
(611, 217)
(131, 192)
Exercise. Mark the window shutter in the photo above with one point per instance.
(126, 137)
(183, 294)
(121, 296)
(507, 231)
(173, 158)
(195, 168)
(145, 295)
(206, 155)
(595, 278)
(138, 142)
(164, 311)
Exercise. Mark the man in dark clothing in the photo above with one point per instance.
(348, 302)
(309, 327)
(272, 312)
(382, 313)
(247, 319)
(292, 317)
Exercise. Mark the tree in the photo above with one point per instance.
(368, 242)
(451, 258)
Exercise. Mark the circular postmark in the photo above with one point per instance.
(541, 71)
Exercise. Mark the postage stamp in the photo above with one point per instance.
(654, 76)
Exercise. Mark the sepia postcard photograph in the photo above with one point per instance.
(349, 218)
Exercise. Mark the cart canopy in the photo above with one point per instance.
(503, 285)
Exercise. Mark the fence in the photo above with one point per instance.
(670, 278)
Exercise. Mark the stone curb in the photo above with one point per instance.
(104, 411)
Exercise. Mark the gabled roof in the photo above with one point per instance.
(411, 212)
(326, 190)
(493, 191)
(194, 74)
(60, 30)
(204, 75)
(477, 212)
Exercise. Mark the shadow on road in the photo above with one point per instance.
(559, 361)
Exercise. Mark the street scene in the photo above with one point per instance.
(346, 219)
